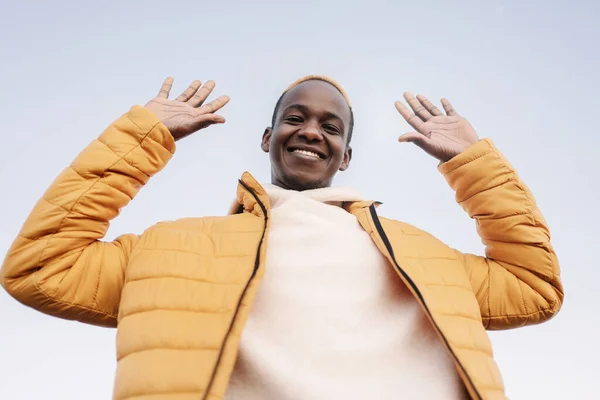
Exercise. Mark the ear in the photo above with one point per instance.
(266, 140)
(346, 159)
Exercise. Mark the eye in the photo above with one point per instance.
(294, 119)
(331, 128)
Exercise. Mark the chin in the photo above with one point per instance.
(301, 182)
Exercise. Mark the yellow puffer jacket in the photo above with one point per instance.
(181, 292)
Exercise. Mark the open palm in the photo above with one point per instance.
(443, 136)
(187, 113)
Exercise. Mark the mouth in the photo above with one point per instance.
(305, 152)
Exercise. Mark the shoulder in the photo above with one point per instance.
(403, 228)
(413, 239)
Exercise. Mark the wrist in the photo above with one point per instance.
(476, 150)
(151, 125)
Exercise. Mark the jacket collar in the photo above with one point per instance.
(250, 192)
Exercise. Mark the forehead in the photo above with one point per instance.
(317, 96)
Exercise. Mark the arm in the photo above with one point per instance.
(57, 264)
(518, 282)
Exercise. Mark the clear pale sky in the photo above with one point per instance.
(525, 73)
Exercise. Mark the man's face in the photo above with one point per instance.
(307, 144)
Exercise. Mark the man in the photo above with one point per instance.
(303, 291)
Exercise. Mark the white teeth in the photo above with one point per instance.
(308, 153)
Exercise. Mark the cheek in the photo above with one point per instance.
(338, 148)
(277, 148)
(278, 140)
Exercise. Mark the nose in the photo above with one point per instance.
(311, 132)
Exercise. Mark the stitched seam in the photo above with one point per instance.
(510, 242)
(95, 296)
(183, 278)
(136, 124)
(56, 238)
(168, 348)
(519, 283)
(537, 224)
(149, 132)
(488, 353)
(487, 190)
(489, 282)
(26, 238)
(421, 284)
(201, 226)
(470, 160)
(455, 315)
(213, 255)
(531, 314)
(50, 236)
(458, 346)
(531, 212)
(74, 212)
(104, 177)
(133, 396)
(68, 254)
(158, 141)
(122, 316)
(517, 214)
(72, 207)
(123, 157)
(61, 301)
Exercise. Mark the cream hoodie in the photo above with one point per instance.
(331, 319)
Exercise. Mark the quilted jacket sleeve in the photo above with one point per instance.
(518, 282)
(57, 264)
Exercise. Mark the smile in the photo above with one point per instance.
(306, 153)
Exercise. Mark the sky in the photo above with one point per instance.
(524, 73)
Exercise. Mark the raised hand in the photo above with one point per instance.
(187, 113)
(441, 136)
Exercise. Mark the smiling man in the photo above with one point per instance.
(308, 141)
(302, 291)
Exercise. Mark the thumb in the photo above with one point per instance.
(421, 141)
(412, 137)
(204, 120)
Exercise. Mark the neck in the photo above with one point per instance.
(291, 184)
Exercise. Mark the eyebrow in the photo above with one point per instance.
(305, 109)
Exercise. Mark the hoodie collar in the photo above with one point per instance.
(250, 193)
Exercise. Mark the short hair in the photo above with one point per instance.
(323, 79)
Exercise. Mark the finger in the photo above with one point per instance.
(429, 105)
(189, 92)
(165, 89)
(411, 118)
(214, 105)
(202, 94)
(422, 141)
(412, 137)
(205, 120)
(210, 118)
(448, 108)
(417, 107)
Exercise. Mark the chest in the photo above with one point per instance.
(313, 239)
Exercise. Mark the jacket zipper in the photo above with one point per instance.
(256, 264)
(412, 284)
